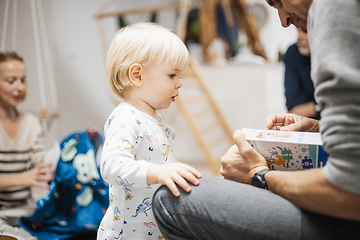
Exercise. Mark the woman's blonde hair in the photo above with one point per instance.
(11, 56)
(142, 43)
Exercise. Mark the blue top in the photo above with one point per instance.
(299, 88)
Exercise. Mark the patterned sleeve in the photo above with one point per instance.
(123, 135)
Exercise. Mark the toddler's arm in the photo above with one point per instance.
(169, 174)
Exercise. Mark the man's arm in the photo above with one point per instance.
(336, 72)
(309, 190)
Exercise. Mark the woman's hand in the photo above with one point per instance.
(241, 161)
(169, 174)
(292, 122)
(37, 176)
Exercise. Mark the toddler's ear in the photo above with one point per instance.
(134, 74)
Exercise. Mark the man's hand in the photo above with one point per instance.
(171, 173)
(292, 122)
(241, 161)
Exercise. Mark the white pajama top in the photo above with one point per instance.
(133, 141)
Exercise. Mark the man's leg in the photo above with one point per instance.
(222, 209)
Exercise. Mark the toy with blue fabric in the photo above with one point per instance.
(78, 196)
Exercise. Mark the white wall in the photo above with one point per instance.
(84, 96)
(246, 96)
(274, 37)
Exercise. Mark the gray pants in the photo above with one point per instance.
(225, 210)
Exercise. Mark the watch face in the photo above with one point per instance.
(257, 181)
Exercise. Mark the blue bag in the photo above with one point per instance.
(78, 196)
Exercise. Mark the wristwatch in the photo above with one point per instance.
(258, 179)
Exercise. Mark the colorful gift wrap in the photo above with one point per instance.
(289, 151)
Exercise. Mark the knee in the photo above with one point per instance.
(159, 199)
(165, 203)
(160, 204)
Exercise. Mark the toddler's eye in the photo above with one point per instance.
(172, 75)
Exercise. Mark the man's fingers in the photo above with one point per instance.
(292, 127)
(275, 119)
(241, 142)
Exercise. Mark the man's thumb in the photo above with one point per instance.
(240, 140)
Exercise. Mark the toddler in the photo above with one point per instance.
(144, 65)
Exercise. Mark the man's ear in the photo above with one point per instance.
(134, 74)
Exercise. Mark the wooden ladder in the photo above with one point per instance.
(205, 119)
(247, 22)
(196, 103)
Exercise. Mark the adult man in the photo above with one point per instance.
(312, 204)
(299, 88)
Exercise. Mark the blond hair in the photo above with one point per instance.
(142, 43)
(9, 56)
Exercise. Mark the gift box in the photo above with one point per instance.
(286, 150)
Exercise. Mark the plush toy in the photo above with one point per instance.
(78, 197)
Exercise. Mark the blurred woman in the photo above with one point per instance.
(22, 148)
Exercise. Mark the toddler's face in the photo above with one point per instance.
(161, 85)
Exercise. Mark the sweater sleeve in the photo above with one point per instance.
(123, 135)
(38, 143)
(334, 30)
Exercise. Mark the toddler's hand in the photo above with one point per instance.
(169, 174)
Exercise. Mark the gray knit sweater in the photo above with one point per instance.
(334, 34)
